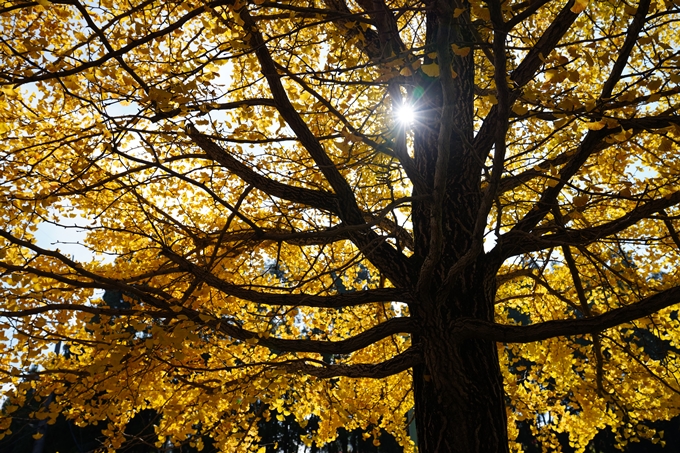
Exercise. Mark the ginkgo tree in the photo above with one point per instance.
(510, 248)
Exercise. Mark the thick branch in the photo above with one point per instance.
(592, 142)
(349, 211)
(526, 70)
(299, 300)
(95, 280)
(324, 201)
(396, 364)
(514, 243)
(635, 124)
(391, 262)
(386, 329)
(314, 237)
(532, 7)
(475, 328)
(625, 50)
(528, 67)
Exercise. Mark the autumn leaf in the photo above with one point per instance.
(430, 70)
(520, 109)
(406, 72)
(580, 200)
(460, 51)
(597, 125)
(579, 6)
(213, 217)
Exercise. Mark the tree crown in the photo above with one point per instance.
(275, 234)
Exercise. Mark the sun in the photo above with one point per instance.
(405, 114)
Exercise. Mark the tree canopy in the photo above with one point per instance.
(345, 210)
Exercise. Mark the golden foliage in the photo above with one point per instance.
(243, 184)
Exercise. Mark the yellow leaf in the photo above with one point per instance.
(654, 84)
(580, 200)
(520, 109)
(9, 91)
(458, 11)
(460, 51)
(666, 144)
(431, 70)
(550, 74)
(596, 126)
(406, 72)
(630, 10)
(590, 105)
(483, 13)
(45, 3)
(156, 94)
(579, 6)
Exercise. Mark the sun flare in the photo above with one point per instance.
(405, 114)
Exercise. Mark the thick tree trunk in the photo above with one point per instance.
(459, 396)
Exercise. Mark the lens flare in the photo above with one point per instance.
(405, 114)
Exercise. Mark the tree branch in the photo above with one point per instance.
(299, 300)
(396, 364)
(318, 199)
(390, 261)
(635, 124)
(624, 52)
(99, 62)
(518, 242)
(366, 338)
(528, 67)
(526, 70)
(476, 328)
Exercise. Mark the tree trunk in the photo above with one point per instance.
(459, 399)
(459, 396)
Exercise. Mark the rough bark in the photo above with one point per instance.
(458, 389)
(459, 399)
